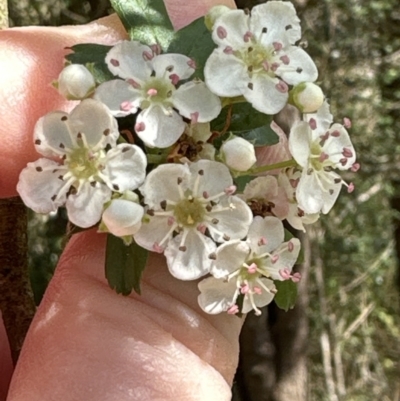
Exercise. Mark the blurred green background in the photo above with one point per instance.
(342, 341)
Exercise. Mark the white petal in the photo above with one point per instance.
(123, 217)
(194, 261)
(233, 222)
(38, 183)
(119, 96)
(333, 147)
(264, 96)
(299, 143)
(301, 67)
(260, 300)
(125, 167)
(225, 74)
(154, 230)
(85, 208)
(286, 259)
(168, 64)
(126, 60)
(276, 16)
(159, 129)
(162, 184)
(230, 257)
(52, 134)
(230, 28)
(322, 118)
(331, 193)
(265, 187)
(216, 296)
(269, 228)
(214, 177)
(93, 119)
(195, 97)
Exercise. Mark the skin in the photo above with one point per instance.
(86, 342)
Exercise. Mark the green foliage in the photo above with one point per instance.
(93, 57)
(194, 41)
(286, 295)
(146, 21)
(124, 265)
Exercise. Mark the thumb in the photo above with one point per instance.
(86, 342)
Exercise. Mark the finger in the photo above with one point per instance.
(88, 343)
(30, 59)
(5, 361)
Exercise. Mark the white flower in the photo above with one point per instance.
(319, 148)
(238, 154)
(75, 82)
(289, 180)
(248, 268)
(256, 57)
(88, 175)
(151, 85)
(123, 217)
(188, 204)
(266, 197)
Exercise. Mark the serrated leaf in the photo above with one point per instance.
(124, 265)
(287, 294)
(146, 21)
(247, 123)
(93, 57)
(194, 41)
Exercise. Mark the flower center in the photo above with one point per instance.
(157, 90)
(82, 163)
(258, 58)
(189, 212)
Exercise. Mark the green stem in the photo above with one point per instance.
(262, 169)
(156, 159)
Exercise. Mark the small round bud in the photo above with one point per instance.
(307, 96)
(123, 217)
(213, 14)
(75, 82)
(238, 154)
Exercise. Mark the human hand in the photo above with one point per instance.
(86, 342)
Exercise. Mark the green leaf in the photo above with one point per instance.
(146, 21)
(247, 123)
(124, 265)
(93, 57)
(194, 41)
(287, 294)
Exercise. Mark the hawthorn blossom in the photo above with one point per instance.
(150, 83)
(86, 175)
(238, 154)
(288, 180)
(75, 82)
(190, 209)
(319, 148)
(255, 57)
(248, 268)
(266, 197)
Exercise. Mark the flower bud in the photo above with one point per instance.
(213, 14)
(307, 96)
(75, 82)
(238, 154)
(123, 217)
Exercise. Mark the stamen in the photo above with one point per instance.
(274, 258)
(347, 152)
(228, 50)
(135, 84)
(156, 49)
(277, 46)
(350, 188)
(347, 122)
(282, 87)
(147, 56)
(125, 106)
(194, 117)
(221, 32)
(285, 59)
(212, 256)
(152, 92)
(262, 241)
(230, 190)
(322, 157)
(247, 36)
(294, 183)
(174, 79)
(285, 273)
(171, 220)
(233, 310)
(299, 70)
(335, 133)
(252, 268)
(313, 123)
(114, 62)
(157, 248)
(290, 246)
(355, 167)
(192, 64)
(202, 228)
(296, 277)
(139, 127)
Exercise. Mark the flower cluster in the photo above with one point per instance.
(140, 156)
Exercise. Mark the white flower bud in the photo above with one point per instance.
(308, 97)
(213, 14)
(75, 82)
(123, 217)
(238, 154)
